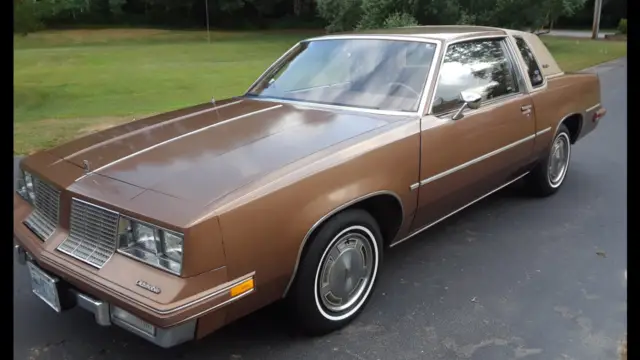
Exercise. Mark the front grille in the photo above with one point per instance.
(43, 220)
(92, 233)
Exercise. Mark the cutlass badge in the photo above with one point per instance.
(145, 285)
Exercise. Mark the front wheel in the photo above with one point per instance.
(337, 273)
(548, 176)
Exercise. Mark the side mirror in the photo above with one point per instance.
(471, 100)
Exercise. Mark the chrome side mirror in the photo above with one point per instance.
(470, 100)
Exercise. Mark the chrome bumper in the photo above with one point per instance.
(99, 309)
(103, 314)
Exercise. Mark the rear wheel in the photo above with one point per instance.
(548, 176)
(337, 273)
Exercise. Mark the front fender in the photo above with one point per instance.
(267, 231)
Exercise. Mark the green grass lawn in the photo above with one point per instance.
(576, 54)
(68, 83)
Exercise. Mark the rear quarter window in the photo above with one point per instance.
(533, 70)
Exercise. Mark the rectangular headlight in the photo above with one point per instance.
(151, 244)
(26, 187)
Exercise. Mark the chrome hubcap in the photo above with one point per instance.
(559, 160)
(346, 272)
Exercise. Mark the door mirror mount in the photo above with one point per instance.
(470, 100)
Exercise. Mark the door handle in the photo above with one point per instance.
(525, 107)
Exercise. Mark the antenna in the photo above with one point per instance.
(213, 101)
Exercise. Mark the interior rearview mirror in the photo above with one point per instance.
(470, 100)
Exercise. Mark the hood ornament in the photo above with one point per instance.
(87, 166)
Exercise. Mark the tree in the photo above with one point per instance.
(341, 15)
(376, 12)
(338, 15)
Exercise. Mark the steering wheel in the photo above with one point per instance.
(405, 86)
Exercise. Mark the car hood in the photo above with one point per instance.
(204, 152)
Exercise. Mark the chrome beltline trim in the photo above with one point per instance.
(543, 131)
(474, 161)
(177, 138)
(555, 75)
(593, 108)
(456, 211)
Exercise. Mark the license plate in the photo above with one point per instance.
(44, 286)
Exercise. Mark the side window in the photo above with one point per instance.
(533, 71)
(481, 66)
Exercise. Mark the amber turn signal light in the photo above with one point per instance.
(242, 288)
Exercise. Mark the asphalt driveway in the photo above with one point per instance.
(509, 278)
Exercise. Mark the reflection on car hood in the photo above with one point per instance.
(204, 152)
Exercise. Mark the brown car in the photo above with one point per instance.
(175, 225)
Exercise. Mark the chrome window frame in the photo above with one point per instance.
(535, 58)
(510, 55)
(424, 96)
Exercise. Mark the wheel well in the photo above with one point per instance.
(385, 208)
(387, 211)
(574, 125)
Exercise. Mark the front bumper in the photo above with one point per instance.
(105, 313)
(202, 299)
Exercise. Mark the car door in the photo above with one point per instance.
(465, 159)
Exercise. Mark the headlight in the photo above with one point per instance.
(25, 187)
(155, 246)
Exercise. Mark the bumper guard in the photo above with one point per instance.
(103, 313)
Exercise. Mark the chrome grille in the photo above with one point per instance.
(92, 233)
(44, 218)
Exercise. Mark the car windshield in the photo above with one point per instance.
(361, 73)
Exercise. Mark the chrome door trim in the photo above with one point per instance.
(471, 162)
(456, 211)
(543, 131)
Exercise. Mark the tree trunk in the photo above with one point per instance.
(297, 7)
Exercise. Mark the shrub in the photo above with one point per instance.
(622, 26)
(399, 19)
